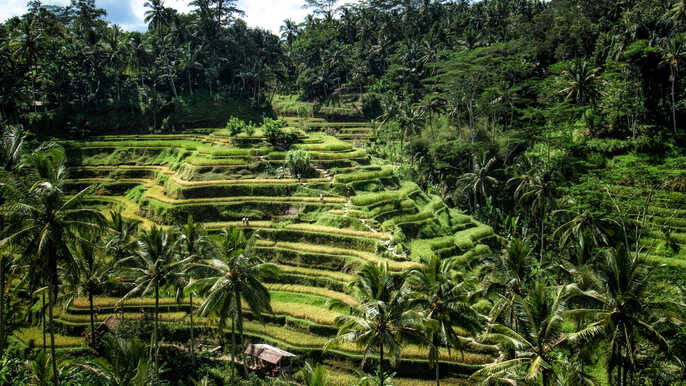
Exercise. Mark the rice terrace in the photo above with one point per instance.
(367, 193)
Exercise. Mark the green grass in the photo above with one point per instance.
(385, 196)
(35, 335)
(465, 239)
(364, 176)
(296, 288)
(338, 231)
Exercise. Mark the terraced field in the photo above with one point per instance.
(316, 235)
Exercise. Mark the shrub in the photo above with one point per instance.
(235, 126)
(276, 135)
(298, 161)
(250, 129)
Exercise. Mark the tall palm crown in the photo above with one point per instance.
(382, 319)
(11, 148)
(45, 220)
(87, 273)
(444, 303)
(529, 346)
(157, 15)
(233, 277)
(581, 82)
(622, 312)
(509, 276)
(480, 180)
(121, 239)
(155, 265)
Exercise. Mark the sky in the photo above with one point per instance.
(268, 14)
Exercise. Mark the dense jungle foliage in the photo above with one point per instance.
(466, 192)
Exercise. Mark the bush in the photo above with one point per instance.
(235, 126)
(276, 135)
(298, 161)
(250, 130)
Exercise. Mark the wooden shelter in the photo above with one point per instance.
(269, 359)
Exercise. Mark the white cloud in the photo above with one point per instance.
(270, 14)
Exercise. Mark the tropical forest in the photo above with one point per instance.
(381, 192)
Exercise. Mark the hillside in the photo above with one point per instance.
(318, 243)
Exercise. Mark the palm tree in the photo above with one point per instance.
(27, 46)
(479, 180)
(444, 304)
(530, 346)
(672, 52)
(232, 278)
(157, 264)
(536, 189)
(193, 238)
(46, 220)
(581, 82)
(11, 147)
(586, 229)
(289, 31)
(509, 276)
(121, 242)
(124, 362)
(381, 320)
(87, 273)
(621, 311)
(157, 16)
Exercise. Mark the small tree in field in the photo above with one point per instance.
(235, 126)
(298, 161)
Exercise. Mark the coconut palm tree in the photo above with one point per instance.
(27, 45)
(528, 350)
(195, 246)
(536, 190)
(381, 321)
(11, 147)
(46, 220)
(155, 265)
(86, 273)
(157, 15)
(672, 52)
(444, 304)
(510, 275)
(622, 311)
(121, 241)
(232, 278)
(124, 362)
(480, 180)
(585, 229)
(581, 82)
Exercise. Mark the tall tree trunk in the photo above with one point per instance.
(42, 316)
(90, 304)
(673, 100)
(381, 377)
(233, 347)
(190, 82)
(540, 259)
(157, 307)
(52, 337)
(239, 323)
(192, 335)
(438, 373)
(2, 305)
